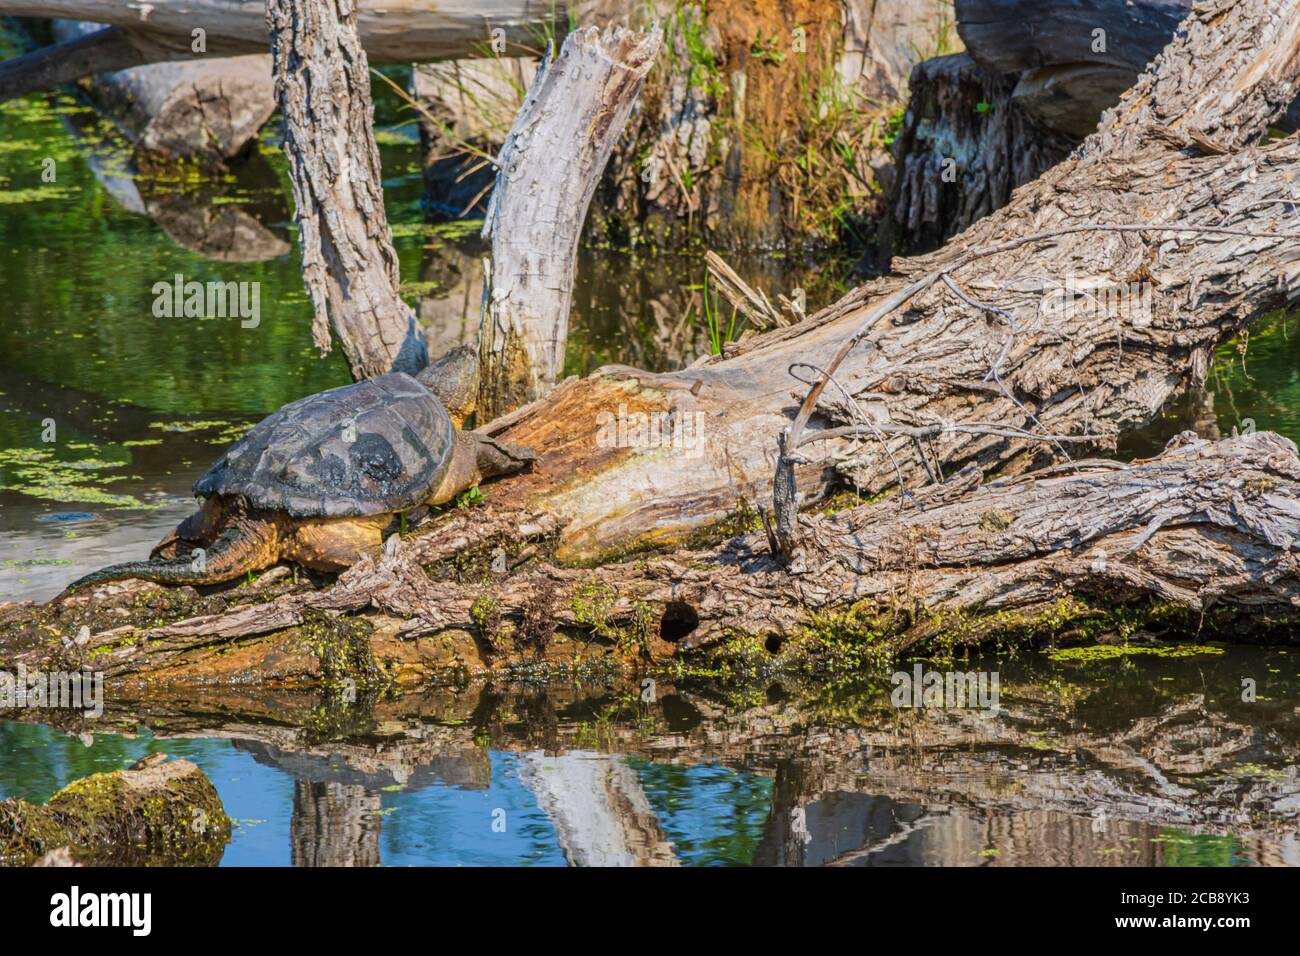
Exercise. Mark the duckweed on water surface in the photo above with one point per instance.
(1109, 652)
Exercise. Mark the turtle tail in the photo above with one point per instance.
(248, 544)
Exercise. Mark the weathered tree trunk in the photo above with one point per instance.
(1206, 530)
(209, 110)
(1183, 261)
(160, 813)
(964, 145)
(992, 350)
(1074, 60)
(547, 170)
(348, 262)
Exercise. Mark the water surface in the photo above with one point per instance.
(1134, 760)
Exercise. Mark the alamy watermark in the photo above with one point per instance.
(74, 690)
(1088, 297)
(678, 430)
(976, 690)
(180, 299)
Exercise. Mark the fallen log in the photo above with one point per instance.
(1055, 316)
(208, 111)
(547, 171)
(398, 31)
(1202, 538)
(155, 812)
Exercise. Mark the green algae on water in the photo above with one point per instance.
(1110, 652)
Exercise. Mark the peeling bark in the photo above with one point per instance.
(348, 262)
(1205, 528)
(1120, 285)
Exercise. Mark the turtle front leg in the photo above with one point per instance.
(335, 544)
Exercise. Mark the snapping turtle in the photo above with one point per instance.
(319, 481)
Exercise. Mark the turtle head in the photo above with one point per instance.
(453, 380)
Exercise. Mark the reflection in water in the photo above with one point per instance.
(1147, 761)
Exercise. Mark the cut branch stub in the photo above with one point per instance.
(349, 265)
(547, 170)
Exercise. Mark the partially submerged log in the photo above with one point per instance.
(348, 262)
(209, 111)
(156, 812)
(990, 351)
(1203, 538)
(547, 171)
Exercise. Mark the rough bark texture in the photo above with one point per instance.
(161, 813)
(1207, 530)
(548, 169)
(1109, 323)
(208, 111)
(963, 146)
(348, 262)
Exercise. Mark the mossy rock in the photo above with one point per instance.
(155, 814)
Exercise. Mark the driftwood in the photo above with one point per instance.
(154, 812)
(348, 262)
(1206, 530)
(209, 111)
(986, 352)
(1118, 289)
(547, 171)
(398, 31)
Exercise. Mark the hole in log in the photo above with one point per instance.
(678, 621)
(773, 643)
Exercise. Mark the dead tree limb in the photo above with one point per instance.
(348, 262)
(1209, 530)
(99, 52)
(547, 171)
(208, 111)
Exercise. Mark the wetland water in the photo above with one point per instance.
(1134, 760)
(1137, 759)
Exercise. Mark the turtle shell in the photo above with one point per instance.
(379, 445)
